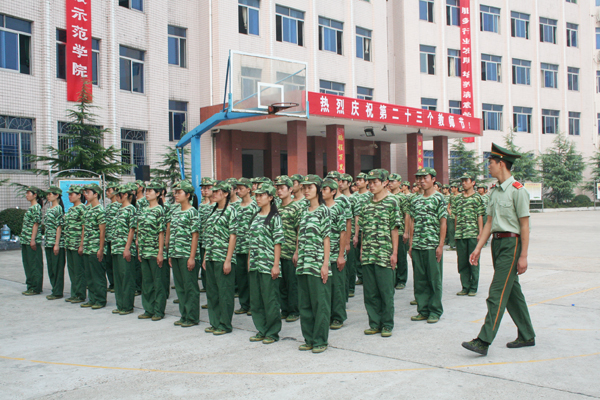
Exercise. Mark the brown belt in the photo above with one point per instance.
(501, 235)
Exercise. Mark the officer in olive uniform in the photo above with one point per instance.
(508, 223)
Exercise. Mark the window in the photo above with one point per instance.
(428, 158)
(426, 10)
(248, 16)
(574, 123)
(177, 44)
(133, 4)
(550, 121)
(492, 117)
(453, 62)
(15, 44)
(331, 87)
(522, 119)
(427, 59)
(289, 25)
(548, 30)
(132, 69)
(489, 19)
(61, 55)
(452, 13)
(133, 147)
(519, 25)
(572, 1)
(428, 104)
(597, 38)
(521, 72)
(250, 79)
(291, 83)
(364, 93)
(363, 43)
(573, 78)
(454, 107)
(177, 119)
(95, 61)
(572, 35)
(16, 142)
(550, 75)
(330, 35)
(490, 67)
(486, 164)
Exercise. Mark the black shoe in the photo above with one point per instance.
(477, 345)
(520, 343)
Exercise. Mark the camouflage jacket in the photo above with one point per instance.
(151, 222)
(263, 239)
(183, 225)
(377, 221)
(314, 227)
(290, 219)
(468, 209)
(32, 216)
(125, 220)
(220, 224)
(72, 225)
(94, 217)
(427, 213)
(52, 220)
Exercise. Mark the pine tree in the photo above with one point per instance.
(594, 163)
(464, 161)
(168, 168)
(562, 170)
(84, 150)
(524, 168)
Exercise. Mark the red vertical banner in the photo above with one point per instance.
(466, 76)
(79, 47)
(420, 160)
(341, 150)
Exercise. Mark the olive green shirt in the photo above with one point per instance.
(507, 204)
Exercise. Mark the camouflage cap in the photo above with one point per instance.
(54, 190)
(334, 175)
(377, 174)
(406, 183)
(155, 185)
(312, 179)
(361, 175)
(93, 187)
(186, 186)
(244, 182)
(330, 183)
(415, 184)
(466, 175)
(426, 171)
(221, 185)
(385, 171)
(395, 177)
(346, 177)
(140, 183)
(481, 186)
(284, 180)
(266, 188)
(75, 189)
(232, 181)
(446, 186)
(264, 179)
(112, 185)
(297, 177)
(454, 184)
(207, 181)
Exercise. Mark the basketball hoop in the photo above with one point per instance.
(276, 107)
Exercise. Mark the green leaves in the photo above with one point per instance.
(524, 169)
(464, 161)
(562, 169)
(168, 168)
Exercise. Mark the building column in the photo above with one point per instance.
(331, 137)
(273, 156)
(223, 154)
(384, 154)
(297, 147)
(414, 144)
(440, 158)
(236, 153)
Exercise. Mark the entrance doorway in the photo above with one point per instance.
(253, 163)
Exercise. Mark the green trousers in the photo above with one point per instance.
(402, 265)
(505, 292)
(220, 292)
(95, 277)
(358, 263)
(241, 280)
(202, 271)
(264, 302)
(124, 278)
(469, 274)
(108, 265)
(138, 274)
(187, 288)
(288, 289)
(154, 295)
(338, 293)
(33, 264)
(76, 274)
(56, 269)
(378, 289)
(451, 230)
(428, 274)
(350, 271)
(314, 300)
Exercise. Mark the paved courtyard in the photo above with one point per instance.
(56, 350)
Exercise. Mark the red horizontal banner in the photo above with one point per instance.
(330, 105)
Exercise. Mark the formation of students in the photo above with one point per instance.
(289, 249)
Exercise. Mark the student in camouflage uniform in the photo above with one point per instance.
(344, 183)
(55, 242)
(110, 211)
(297, 191)
(403, 204)
(140, 203)
(451, 217)
(235, 199)
(246, 210)
(265, 237)
(182, 236)
(221, 229)
(379, 221)
(31, 243)
(205, 207)
(362, 197)
(290, 212)
(151, 227)
(312, 268)
(124, 249)
(429, 214)
(469, 225)
(337, 260)
(72, 229)
(92, 247)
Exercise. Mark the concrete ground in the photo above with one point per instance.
(55, 350)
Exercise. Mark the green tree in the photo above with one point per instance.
(524, 168)
(168, 168)
(594, 163)
(562, 170)
(463, 161)
(84, 149)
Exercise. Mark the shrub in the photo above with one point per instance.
(581, 201)
(13, 217)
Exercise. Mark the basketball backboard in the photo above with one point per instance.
(257, 82)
